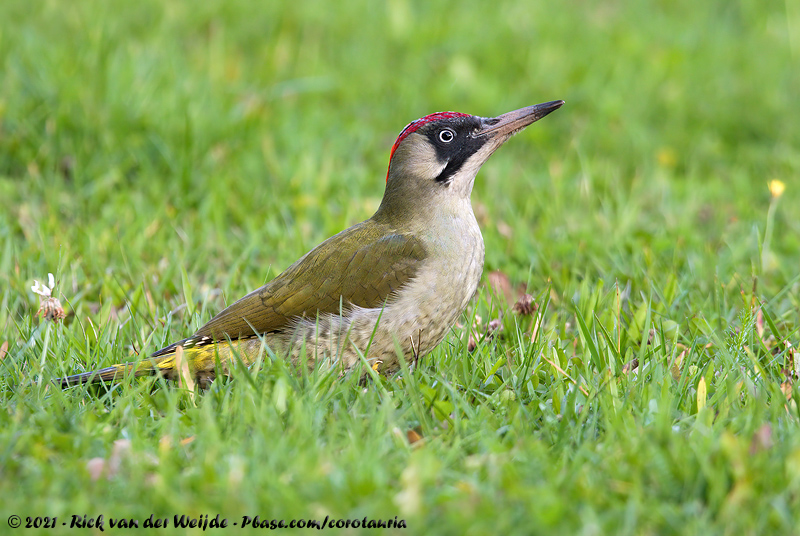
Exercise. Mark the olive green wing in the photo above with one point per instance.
(362, 266)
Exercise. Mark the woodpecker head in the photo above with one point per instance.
(439, 155)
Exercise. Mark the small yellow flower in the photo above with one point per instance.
(776, 188)
(667, 157)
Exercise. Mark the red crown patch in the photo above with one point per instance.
(415, 125)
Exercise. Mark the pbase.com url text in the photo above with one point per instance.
(327, 523)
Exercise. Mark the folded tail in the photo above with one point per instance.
(201, 360)
(164, 364)
(108, 374)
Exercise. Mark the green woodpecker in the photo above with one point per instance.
(388, 288)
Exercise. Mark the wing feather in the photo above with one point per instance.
(363, 265)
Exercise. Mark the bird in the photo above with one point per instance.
(386, 289)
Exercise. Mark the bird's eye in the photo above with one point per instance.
(446, 135)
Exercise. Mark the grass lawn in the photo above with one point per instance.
(162, 159)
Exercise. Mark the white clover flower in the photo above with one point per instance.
(49, 307)
(45, 291)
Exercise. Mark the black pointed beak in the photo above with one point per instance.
(508, 124)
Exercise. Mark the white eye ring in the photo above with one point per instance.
(447, 135)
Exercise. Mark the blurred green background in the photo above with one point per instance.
(240, 124)
(162, 158)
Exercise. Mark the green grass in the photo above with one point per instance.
(164, 158)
